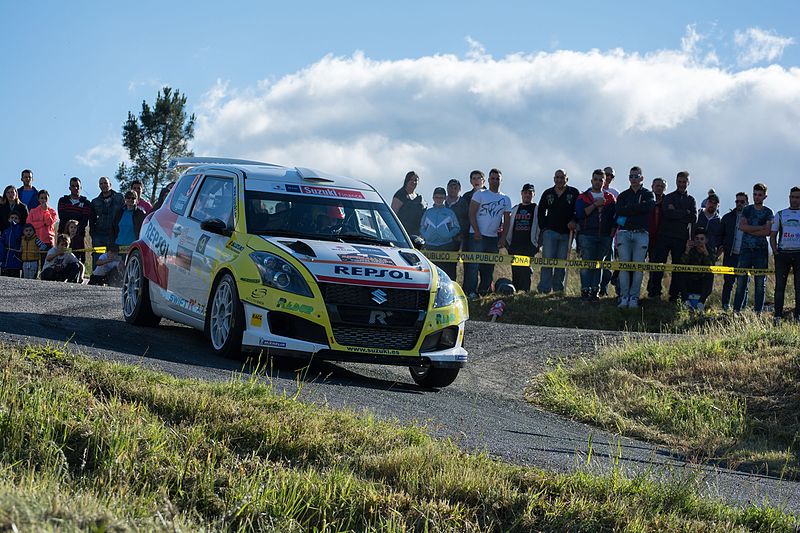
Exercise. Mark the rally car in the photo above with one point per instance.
(293, 262)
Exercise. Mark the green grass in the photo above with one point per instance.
(728, 393)
(97, 446)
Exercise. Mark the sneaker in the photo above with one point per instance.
(623, 302)
(472, 296)
(633, 303)
(603, 291)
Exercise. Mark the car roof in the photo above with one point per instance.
(258, 171)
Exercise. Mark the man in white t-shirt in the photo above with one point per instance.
(489, 219)
(784, 240)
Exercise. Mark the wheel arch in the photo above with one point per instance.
(218, 276)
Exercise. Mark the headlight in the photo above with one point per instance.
(277, 273)
(445, 290)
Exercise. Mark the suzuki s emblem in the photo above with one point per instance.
(379, 297)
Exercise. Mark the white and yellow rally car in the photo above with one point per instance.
(294, 262)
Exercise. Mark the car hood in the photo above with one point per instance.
(359, 264)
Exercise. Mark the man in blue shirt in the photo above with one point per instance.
(756, 225)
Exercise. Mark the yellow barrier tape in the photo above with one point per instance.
(524, 260)
(98, 249)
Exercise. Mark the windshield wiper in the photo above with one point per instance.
(298, 235)
(366, 238)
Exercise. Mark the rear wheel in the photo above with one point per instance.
(226, 319)
(136, 306)
(433, 377)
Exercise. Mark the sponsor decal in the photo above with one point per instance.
(330, 192)
(379, 297)
(183, 258)
(258, 293)
(283, 303)
(443, 320)
(191, 305)
(256, 320)
(271, 343)
(201, 244)
(368, 250)
(233, 245)
(293, 188)
(375, 351)
(156, 240)
(379, 317)
(363, 258)
(371, 272)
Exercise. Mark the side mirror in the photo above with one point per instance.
(418, 242)
(215, 225)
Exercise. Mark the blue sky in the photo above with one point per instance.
(73, 71)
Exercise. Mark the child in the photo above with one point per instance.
(30, 251)
(107, 269)
(695, 289)
(10, 241)
(61, 264)
(72, 233)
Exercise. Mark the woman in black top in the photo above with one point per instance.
(10, 203)
(408, 204)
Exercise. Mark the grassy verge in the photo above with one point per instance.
(729, 393)
(89, 445)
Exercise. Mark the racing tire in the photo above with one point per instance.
(226, 319)
(432, 377)
(137, 308)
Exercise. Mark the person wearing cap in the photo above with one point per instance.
(439, 227)
(556, 217)
(489, 214)
(711, 192)
(595, 211)
(608, 177)
(523, 236)
(606, 275)
(453, 193)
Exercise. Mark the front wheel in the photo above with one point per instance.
(226, 319)
(432, 377)
(136, 306)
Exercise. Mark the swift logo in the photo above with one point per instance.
(379, 297)
(371, 272)
(379, 317)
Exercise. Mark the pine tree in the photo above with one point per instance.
(158, 134)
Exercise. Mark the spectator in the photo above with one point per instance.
(705, 200)
(731, 245)
(453, 193)
(27, 193)
(439, 227)
(478, 181)
(61, 264)
(708, 218)
(595, 211)
(127, 222)
(106, 270)
(633, 215)
(75, 207)
(409, 205)
(489, 212)
(522, 238)
(679, 214)
(785, 242)
(138, 186)
(557, 223)
(659, 186)
(44, 219)
(696, 289)
(10, 204)
(162, 196)
(104, 212)
(72, 232)
(31, 248)
(10, 247)
(756, 225)
(608, 177)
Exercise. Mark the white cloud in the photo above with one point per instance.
(528, 114)
(102, 154)
(756, 45)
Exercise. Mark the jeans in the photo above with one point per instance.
(71, 273)
(593, 247)
(729, 260)
(448, 267)
(665, 247)
(784, 262)
(30, 269)
(471, 270)
(751, 259)
(554, 246)
(631, 246)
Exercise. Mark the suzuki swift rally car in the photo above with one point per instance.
(295, 263)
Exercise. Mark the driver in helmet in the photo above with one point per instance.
(330, 220)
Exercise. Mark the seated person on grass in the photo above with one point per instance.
(696, 288)
(106, 271)
(61, 264)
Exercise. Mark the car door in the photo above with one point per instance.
(199, 252)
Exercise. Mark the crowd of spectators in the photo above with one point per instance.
(38, 240)
(636, 224)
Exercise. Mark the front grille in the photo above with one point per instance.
(407, 299)
(390, 339)
(362, 315)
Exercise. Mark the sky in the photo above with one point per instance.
(373, 89)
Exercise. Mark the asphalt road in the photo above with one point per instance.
(483, 410)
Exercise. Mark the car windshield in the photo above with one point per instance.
(315, 217)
